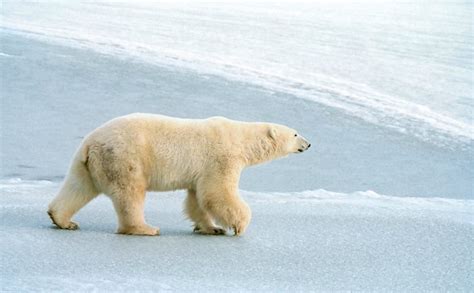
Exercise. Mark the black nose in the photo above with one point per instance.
(309, 145)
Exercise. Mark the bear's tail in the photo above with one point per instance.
(76, 191)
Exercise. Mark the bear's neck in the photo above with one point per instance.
(260, 151)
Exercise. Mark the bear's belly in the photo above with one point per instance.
(169, 182)
(174, 167)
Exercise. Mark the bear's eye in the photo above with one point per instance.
(296, 135)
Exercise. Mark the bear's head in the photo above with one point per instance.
(287, 140)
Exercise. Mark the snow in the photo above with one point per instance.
(63, 93)
(314, 240)
(383, 200)
(381, 83)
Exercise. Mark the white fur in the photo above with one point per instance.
(133, 154)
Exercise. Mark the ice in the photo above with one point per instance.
(62, 93)
(314, 240)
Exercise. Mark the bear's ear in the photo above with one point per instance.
(272, 132)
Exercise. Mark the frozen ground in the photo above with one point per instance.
(388, 110)
(314, 240)
(62, 93)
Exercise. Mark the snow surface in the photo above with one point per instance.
(365, 59)
(313, 240)
(63, 93)
(383, 200)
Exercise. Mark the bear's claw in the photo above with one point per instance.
(68, 226)
(71, 226)
(209, 231)
(238, 230)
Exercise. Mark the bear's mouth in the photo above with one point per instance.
(300, 150)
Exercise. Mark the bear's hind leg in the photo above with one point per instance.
(76, 191)
(203, 223)
(129, 206)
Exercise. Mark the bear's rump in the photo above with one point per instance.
(111, 168)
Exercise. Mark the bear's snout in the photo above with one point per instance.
(304, 146)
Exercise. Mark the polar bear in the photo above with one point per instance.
(133, 154)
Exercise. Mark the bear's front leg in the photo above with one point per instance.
(203, 223)
(227, 209)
